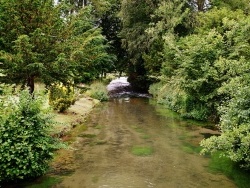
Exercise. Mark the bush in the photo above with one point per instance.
(61, 98)
(62, 104)
(98, 91)
(234, 141)
(174, 98)
(25, 144)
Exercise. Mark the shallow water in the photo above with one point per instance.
(106, 160)
(104, 154)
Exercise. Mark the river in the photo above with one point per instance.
(133, 143)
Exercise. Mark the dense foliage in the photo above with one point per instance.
(197, 50)
(25, 144)
(58, 43)
(205, 72)
(39, 40)
(135, 16)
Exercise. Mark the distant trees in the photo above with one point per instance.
(135, 16)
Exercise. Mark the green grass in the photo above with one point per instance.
(98, 91)
(230, 169)
(142, 150)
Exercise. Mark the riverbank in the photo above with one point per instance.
(68, 125)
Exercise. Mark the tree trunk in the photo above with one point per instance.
(201, 5)
(31, 84)
(85, 2)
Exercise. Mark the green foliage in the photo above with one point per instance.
(50, 44)
(61, 97)
(174, 98)
(235, 126)
(62, 104)
(232, 4)
(25, 144)
(98, 91)
(85, 47)
(135, 17)
(205, 75)
(111, 26)
(29, 51)
(234, 109)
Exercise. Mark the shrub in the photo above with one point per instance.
(25, 144)
(62, 104)
(234, 142)
(98, 91)
(61, 98)
(174, 98)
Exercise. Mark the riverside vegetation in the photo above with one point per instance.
(192, 55)
(31, 132)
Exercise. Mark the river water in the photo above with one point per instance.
(106, 155)
(131, 142)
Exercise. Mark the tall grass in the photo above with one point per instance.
(98, 91)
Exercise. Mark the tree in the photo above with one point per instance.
(50, 44)
(232, 4)
(169, 18)
(111, 26)
(29, 31)
(234, 111)
(85, 48)
(135, 16)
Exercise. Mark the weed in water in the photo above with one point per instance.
(138, 129)
(100, 142)
(142, 150)
(189, 148)
(223, 164)
(95, 179)
(98, 126)
(145, 136)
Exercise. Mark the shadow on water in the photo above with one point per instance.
(42, 182)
